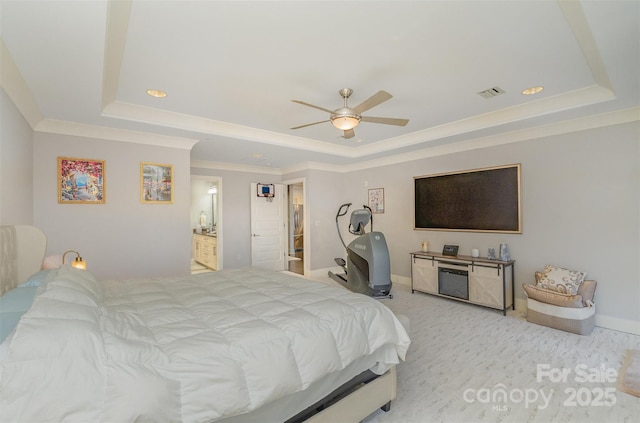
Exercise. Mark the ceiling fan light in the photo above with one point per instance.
(345, 122)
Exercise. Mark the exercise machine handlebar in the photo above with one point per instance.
(341, 213)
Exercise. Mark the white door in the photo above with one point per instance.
(268, 229)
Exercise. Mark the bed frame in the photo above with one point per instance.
(354, 401)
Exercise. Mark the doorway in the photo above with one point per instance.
(206, 223)
(296, 231)
(268, 223)
(286, 210)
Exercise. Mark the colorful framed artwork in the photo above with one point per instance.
(81, 181)
(156, 183)
(376, 200)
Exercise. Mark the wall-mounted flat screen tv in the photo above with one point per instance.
(478, 200)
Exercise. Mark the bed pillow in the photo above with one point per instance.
(13, 304)
(552, 297)
(588, 290)
(39, 278)
(560, 280)
(17, 299)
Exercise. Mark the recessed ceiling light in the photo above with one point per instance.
(257, 155)
(532, 90)
(157, 93)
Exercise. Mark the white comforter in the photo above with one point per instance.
(193, 349)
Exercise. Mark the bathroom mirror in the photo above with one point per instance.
(213, 193)
(204, 203)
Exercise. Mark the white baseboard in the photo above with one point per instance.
(521, 304)
(607, 322)
(622, 325)
(322, 273)
(402, 280)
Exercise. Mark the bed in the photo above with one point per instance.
(238, 345)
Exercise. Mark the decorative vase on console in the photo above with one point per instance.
(504, 252)
(491, 255)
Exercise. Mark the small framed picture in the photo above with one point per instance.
(156, 183)
(450, 250)
(376, 200)
(81, 181)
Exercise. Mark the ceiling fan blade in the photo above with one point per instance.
(386, 121)
(379, 97)
(311, 105)
(349, 133)
(309, 124)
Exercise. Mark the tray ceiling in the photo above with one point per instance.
(231, 69)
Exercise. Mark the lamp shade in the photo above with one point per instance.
(78, 262)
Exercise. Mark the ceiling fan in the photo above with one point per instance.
(347, 118)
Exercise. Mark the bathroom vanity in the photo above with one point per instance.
(205, 250)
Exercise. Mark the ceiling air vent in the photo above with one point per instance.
(491, 92)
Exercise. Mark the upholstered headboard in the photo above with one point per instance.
(22, 249)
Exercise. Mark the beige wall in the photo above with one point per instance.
(325, 193)
(123, 237)
(580, 203)
(16, 166)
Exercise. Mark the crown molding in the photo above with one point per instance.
(560, 128)
(163, 118)
(565, 127)
(313, 166)
(300, 167)
(204, 164)
(579, 25)
(578, 98)
(108, 133)
(561, 102)
(16, 88)
(117, 25)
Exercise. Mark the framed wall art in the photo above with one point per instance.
(81, 181)
(376, 200)
(156, 183)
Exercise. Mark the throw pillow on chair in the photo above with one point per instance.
(562, 299)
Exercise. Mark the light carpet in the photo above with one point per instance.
(630, 373)
(472, 364)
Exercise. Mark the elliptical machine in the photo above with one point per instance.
(367, 269)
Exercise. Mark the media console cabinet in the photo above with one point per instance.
(474, 280)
